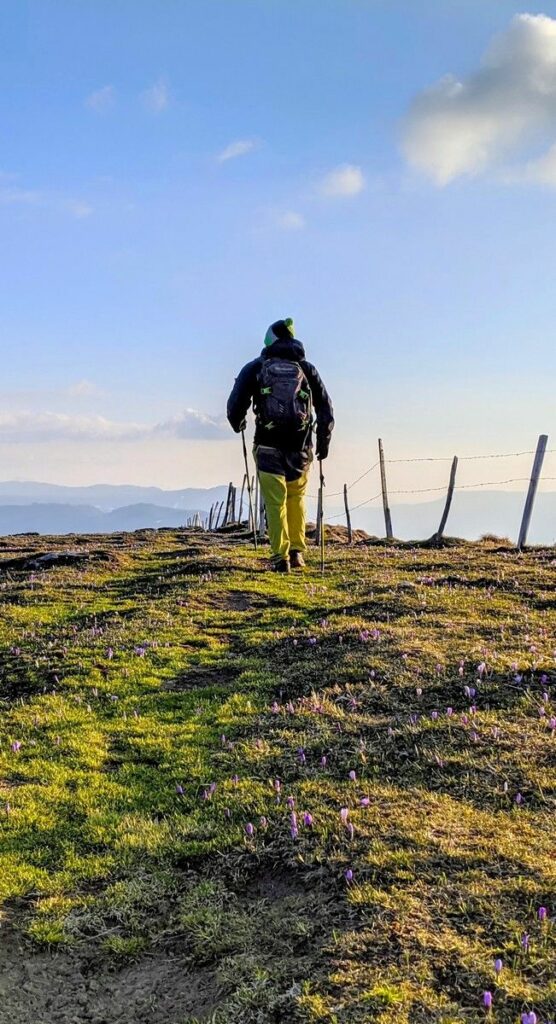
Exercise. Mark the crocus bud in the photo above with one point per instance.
(348, 876)
(344, 813)
(542, 913)
(487, 1000)
(352, 776)
(498, 965)
(249, 829)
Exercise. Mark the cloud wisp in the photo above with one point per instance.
(28, 427)
(157, 97)
(101, 99)
(346, 180)
(241, 147)
(13, 195)
(469, 126)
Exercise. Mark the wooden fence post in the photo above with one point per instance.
(233, 505)
(348, 516)
(218, 514)
(452, 483)
(532, 491)
(242, 492)
(387, 516)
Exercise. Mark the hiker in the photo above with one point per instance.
(284, 388)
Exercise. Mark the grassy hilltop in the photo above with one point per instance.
(228, 796)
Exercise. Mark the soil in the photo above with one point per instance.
(63, 988)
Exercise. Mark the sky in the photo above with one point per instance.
(177, 174)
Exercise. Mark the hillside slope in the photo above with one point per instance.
(231, 797)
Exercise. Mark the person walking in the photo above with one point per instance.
(284, 389)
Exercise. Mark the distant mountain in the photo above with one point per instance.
(472, 515)
(108, 496)
(57, 519)
(46, 508)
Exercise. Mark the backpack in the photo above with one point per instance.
(284, 399)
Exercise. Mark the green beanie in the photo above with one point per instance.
(279, 330)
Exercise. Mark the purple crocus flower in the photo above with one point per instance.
(487, 1000)
(364, 801)
(263, 822)
(235, 779)
(179, 789)
(275, 708)
(294, 832)
(16, 746)
(434, 715)
(525, 942)
(308, 819)
(541, 913)
(352, 776)
(291, 803)
(518, 799)
(323, 760)
(301, 755)
(498, 965)
(110, 653)
(529, 1018)
(419, 691)
(348, 875)
(449, 712)
(344, 814)
(249, 829)
(350, 829)
(277, 785)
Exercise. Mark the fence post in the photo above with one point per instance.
(240, 513)
(348, 516)
(218, 514)
(532, 491)
(233, 505)
(452, 483)
(387, 516)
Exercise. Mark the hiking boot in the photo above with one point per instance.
(281, 565)
(297, 560)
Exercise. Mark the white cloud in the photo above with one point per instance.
(82, 389)
(289, 220)
(15, 196)
(238, 148)
(101, 99)
(346, 180)
(25, 427)
(157, 97)
(464, 127)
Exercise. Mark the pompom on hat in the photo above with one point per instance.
(280, 330)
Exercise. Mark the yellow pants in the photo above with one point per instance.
(285, 512)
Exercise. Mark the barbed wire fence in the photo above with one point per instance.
(225, 513)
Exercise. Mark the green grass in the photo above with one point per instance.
(159, 692)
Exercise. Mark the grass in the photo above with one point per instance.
(171, 714)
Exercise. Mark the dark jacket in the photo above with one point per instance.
(246, 390)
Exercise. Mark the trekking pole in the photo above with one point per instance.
(249, 492)
(321, 515)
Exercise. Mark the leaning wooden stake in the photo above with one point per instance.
(387, 516)
(348, 515)
(262, 514)
(241, 493)
(531, 493)
(452, 483)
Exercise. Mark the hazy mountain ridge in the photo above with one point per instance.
(48, 508)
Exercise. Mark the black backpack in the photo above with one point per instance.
(284, 400)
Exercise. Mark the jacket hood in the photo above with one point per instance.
(284, 348)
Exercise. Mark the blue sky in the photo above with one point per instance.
(175, 175)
